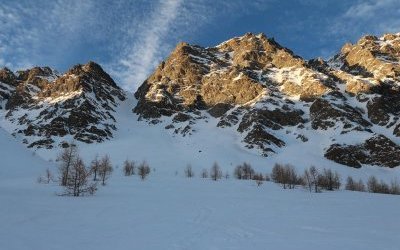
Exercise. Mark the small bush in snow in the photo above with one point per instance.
(189, 173)
(215, 172)
(129, 168)
(244, 172)
(204, 173)
(285, 175)
(105, 169)
(310, 179)
(143, 170)
(329, 180)
(381, 187)
(79, 180)
(355, 185)
(66, 158)
(95, 167)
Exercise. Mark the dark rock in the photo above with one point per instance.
(181, 117)
(324, 114)
(378, 150)
(219, 109)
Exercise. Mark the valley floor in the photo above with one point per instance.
(173, 212)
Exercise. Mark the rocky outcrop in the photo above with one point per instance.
(378, 150)
(272, 97)
(80, 103)
(250, 87)
(237, 72)
(326, 115)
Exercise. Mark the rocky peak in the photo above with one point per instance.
(7, 76)
(372, 58)
(235, 72)
(273, 98)
(87, 78)
(259, 51)
(80, 103)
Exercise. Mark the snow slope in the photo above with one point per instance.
(171, 212)
(19, 162)
(169, 152)
(168, 211)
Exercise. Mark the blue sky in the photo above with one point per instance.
(129, 38)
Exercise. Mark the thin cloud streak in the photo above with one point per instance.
(147, 50)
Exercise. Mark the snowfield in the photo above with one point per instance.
(172, 212)
(169, 211)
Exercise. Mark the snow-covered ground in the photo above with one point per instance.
(168, 211)
(172, 212)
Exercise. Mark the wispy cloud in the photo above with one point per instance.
(167, 23)
(34, 31)
(368, 17)
(145, 52)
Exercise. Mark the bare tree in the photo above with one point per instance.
(291, 176)
(189, 173)
(66, 158)
(143, 170)
(277, 174)
(95, 167)
(248, 171)
(354, 186)
(307, 180)
(78, 180)
(314, 177)
(105, 169)
(244, 171)
(329, 180)
(215, 172)
(373, 185)
(129, 168)
(204, 173)
(395, 187)
(238, 172)
(285, 175)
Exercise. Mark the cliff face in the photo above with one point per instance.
(41, 104)
(273, 98)
(269, 99)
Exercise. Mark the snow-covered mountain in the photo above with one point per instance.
(274, 99)
(41, 105)
(245, 98)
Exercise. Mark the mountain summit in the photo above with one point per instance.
(268, 99)
(274, 99)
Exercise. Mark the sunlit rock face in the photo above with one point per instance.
(273, 98)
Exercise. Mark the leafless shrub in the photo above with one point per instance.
(129, 168)
(105, 169)
(381, 187)
(355, 185)
(329, 180)
(143, 170)
(189, 173)
(66, 158)
(78, 180)
(94, 167)
(215, 172)
(285, 175)
(204, 173)
(244, 172)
